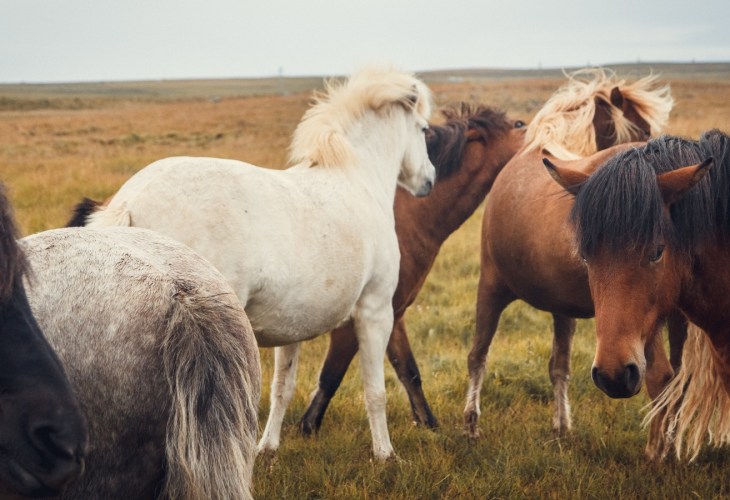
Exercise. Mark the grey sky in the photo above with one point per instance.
(99, 40)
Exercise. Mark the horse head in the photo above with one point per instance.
(417, 173)
(43, 435)
(634, 264)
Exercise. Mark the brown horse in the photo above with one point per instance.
(468, 150)
(652, 242)
(527, 246)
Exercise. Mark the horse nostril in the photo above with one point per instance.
(631, 377)
(597, 379)
(49, 439)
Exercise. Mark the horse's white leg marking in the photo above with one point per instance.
(564, 328)
(373, 326)
(283, 383)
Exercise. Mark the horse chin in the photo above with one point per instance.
(21, 481)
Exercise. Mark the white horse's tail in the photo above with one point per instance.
(694, 407)
(212, 367)
(89, 212)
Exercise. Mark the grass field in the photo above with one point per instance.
(62, 142)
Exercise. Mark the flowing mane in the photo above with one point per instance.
(620, 205)
(12, 260)
(564, 125)
(446, 143)
(321, 137)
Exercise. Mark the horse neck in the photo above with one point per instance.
(704, 296)
(455, 198)
(379, 149)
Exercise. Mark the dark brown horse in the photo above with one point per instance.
(651, 242)
(43, 434)
(468, 150)
(528, 249)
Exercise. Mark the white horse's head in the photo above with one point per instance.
(417, 173)
(402, 104)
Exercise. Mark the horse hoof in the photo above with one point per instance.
(307, 429)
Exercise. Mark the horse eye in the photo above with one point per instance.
(519, 124)
(657, 254)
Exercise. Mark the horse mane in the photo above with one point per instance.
(321, 136)
(564, 125)
(13, 264)
(620, 204)
(446, 143)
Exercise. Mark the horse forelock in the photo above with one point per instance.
(321, 138)
(447, 142)
(620, 206)
(13, 264)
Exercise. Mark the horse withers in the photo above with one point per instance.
(310, 247)
(653, 226)
(43, 434)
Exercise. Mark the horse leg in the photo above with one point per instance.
(658, 374)
(282, 389)
(373, 322)
(401, 357)
(343, 347)
(677, 327)
(492, 298)
(564, 329)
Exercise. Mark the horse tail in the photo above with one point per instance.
(95, 214)
(211, 363)
(82, 211)
(693, 408)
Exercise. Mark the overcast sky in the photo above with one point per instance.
(102, 40)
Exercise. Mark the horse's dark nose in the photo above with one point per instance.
(625, 385)
(63, 448)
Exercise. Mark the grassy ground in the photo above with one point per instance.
(60, 146)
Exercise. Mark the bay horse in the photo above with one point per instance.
(43, 434)
(468, 149)
(527, 246)
(653, 225)
(162, 359)
(310, 247)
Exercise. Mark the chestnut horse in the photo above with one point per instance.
(651, 242)
(527, 247)
(468, 150)
(43, 434)
(161, 356)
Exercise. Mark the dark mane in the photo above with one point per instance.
(12, 260)
(446, 143)
(620, 206)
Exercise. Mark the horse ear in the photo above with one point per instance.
(673, 185)
(571, 180)
(617, 98)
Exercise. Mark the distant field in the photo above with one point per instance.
(96, 94)
(62, 142)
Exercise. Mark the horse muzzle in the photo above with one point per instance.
(624, 384)
(425, 188)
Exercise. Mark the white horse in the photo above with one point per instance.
(161, 357)
(310, 247)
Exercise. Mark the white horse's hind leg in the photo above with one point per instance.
(373, 326)
(286, 359)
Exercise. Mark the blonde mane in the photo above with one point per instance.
(321, 137)
(564, 125)
(694, 407)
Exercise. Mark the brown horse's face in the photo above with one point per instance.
(632, 293)
(605, 127)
